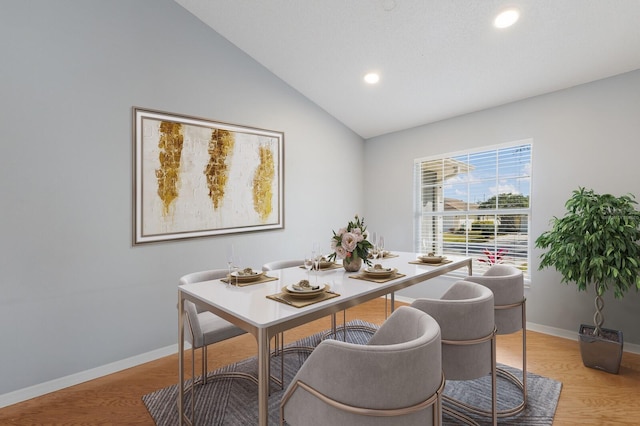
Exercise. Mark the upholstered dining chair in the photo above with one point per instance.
(507, 284)
(281, 264)
(394, 379)
(465, 316)
(204, 328)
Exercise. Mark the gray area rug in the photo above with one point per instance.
(234, 401)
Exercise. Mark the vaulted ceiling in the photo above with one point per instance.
(436, 58)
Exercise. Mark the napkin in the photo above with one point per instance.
(304, 286)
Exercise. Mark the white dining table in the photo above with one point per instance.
(249, 308)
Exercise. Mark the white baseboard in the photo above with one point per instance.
(84, 376)
(573, 335)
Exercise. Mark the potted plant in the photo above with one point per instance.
(596, 244)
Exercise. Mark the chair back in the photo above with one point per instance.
(400, 367)
(194, 333)
(465, 315)
(507, 284)
(281, 264)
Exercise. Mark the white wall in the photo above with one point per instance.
(75, 293)
(584, 136)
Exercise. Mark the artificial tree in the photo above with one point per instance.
(595, 244)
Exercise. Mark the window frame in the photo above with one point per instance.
(440, 218)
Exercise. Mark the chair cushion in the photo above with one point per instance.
(215, 329)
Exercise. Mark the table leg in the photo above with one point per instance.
(180, 358)
(263, 376)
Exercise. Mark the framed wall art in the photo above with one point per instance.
(196, 177)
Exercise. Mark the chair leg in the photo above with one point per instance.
(494, 389)
(204, 365)
(524, 352)
(522, 384)
(493, 413)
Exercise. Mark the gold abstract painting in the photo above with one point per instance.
(196, 177)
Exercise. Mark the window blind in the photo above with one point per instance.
(476, 204)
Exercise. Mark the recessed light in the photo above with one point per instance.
(372, 78)
(506, 18)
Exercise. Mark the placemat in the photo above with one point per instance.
(419, 262)
(263, 279)
(287, 299)
(377, 280)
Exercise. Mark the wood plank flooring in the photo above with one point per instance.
(588, 396)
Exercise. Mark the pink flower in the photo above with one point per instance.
(493, 258)
(349, 241)
(341, 231)
(358, 233)
(341, 252)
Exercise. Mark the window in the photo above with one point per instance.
(476, 204)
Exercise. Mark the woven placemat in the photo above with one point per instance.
(377, 280)
(287, 299)
(262, 279)
(419, 262)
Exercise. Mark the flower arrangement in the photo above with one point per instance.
(493, 258)
(351, 241)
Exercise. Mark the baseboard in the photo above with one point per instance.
(573, 335)
(83, 376)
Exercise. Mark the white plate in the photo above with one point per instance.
(384, 272)
(431, 259)
(246, 277)
(305, 294)
(291, 289)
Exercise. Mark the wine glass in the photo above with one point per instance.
(381, 246)
(317, 260)
(230, 258)
(308, 263)
(374, 252)
(425, 246)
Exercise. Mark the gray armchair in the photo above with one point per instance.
(507, 284)
(465, 316)
(395, 379)
(281, 264)
(202, 327)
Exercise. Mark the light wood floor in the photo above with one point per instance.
(588, 396)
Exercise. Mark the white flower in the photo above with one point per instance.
(358, 233)
(341, 252)
(349, 241)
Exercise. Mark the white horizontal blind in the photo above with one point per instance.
(476, 204)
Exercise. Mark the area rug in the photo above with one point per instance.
(234, 401)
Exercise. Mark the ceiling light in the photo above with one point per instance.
(372, 78)
(506, 19)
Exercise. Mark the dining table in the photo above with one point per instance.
(258, 309)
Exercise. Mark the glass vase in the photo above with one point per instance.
(352, 264)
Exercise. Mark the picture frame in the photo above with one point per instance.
(195, 177)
